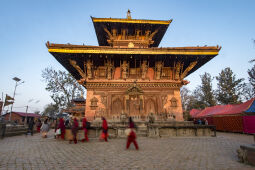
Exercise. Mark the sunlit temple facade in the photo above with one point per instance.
(128, 73)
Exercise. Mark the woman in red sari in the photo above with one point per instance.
(105, 129)
(62, 127)
(38, 125)
(132, 136)
(84, 126)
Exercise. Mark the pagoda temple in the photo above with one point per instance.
(128, 73)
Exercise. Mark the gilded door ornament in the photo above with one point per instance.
(134, 90)
(89, 69)
(124, 69)
(144, 69)
(109, 66)
(80, 71)
(158, 69)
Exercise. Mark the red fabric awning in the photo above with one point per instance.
(224, 109)
(194, 112)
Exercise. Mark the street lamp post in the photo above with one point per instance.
(17, 80)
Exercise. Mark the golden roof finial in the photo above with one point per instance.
(128, 14)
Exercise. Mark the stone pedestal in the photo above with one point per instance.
(246, 154)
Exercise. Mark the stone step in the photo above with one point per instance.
(142, 134)
(8, 134)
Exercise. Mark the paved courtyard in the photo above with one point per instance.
(33, 152)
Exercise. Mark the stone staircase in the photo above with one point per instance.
(142, 130)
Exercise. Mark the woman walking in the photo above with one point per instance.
(62, 128)
(38, 125)
(131, 136)
(104, 134)
(45, 128)
(84, 126)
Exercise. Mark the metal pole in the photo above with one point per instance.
(2, 105)
(13, 102)
(26, 114)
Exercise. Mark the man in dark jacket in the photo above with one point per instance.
(31, 127)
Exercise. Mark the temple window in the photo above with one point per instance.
(93, 101)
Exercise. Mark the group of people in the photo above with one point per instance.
(131, 136)
(61, 124)
(60, 129)
(200, 121)
(40, 127)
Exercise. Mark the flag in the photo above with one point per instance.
(8, 97)
(8, 100)
(6, 103)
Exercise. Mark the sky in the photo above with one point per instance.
(25, 27)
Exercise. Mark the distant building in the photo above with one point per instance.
(78, 107)
(20, 117)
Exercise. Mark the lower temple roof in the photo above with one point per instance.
(99, 54)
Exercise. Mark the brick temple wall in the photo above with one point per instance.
(163, 103)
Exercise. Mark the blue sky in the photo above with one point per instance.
(25, 27)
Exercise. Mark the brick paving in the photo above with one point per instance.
(33, 152)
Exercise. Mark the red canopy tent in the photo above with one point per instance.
(233, 118)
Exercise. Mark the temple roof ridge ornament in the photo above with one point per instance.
(129, 14)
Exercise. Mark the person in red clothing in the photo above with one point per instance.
(104, 129)
(132, 136)
(84, 126)
(38, 125)
(62, 127)
(75, 128)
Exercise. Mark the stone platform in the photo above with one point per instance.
(145, 129)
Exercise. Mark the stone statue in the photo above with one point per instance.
(123, 117)
(89, 69)
(124, 69)
(242, 155)
(151, 118)
(158, 70)
(144, 69)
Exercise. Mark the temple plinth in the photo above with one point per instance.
(128, 73)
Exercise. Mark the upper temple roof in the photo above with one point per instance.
(127, 29)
